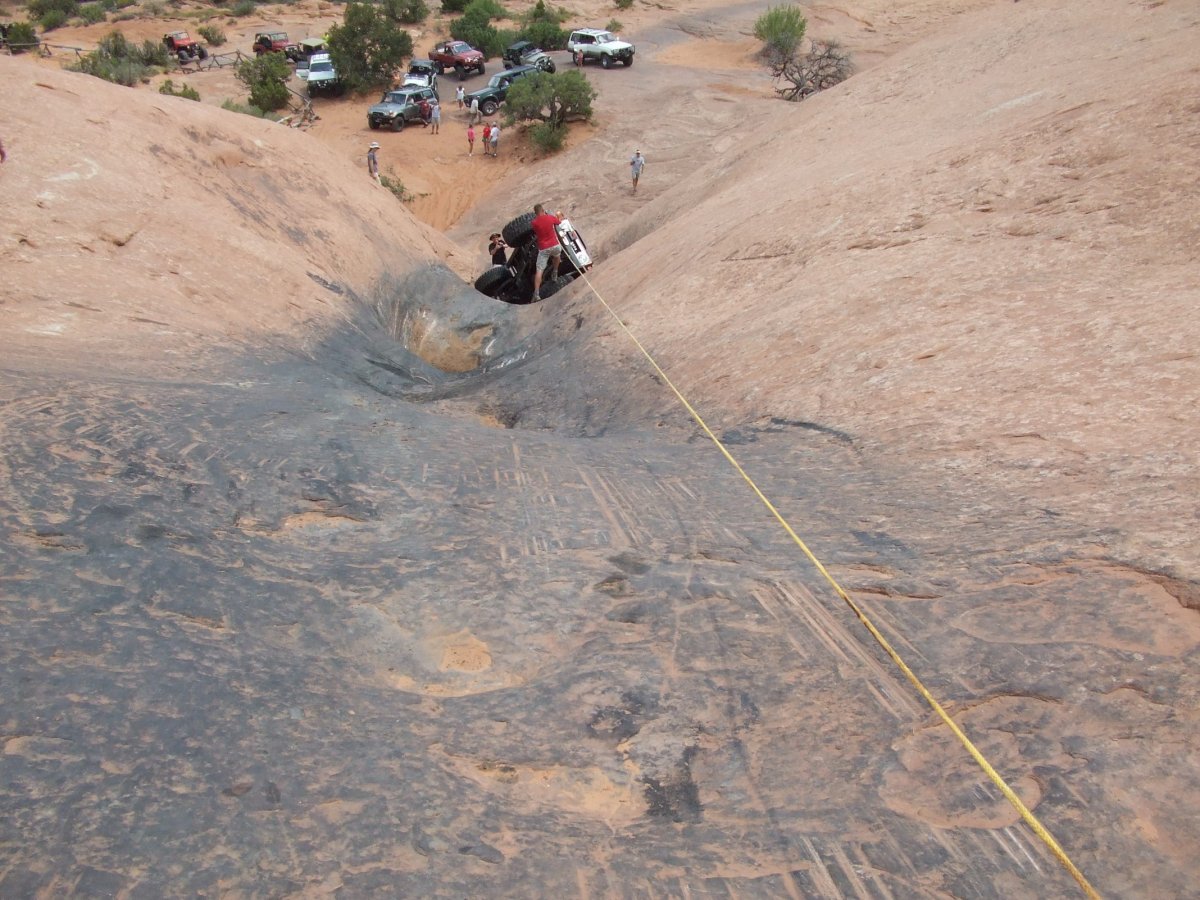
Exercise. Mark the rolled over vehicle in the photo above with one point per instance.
(526, 53)
(421, 73)
(513, 282)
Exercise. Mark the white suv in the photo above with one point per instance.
(598, 44)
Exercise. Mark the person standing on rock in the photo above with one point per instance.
(635, 167)
(460, 94)
(487, 136)
(470, 140)
(436, 117)
(373, 160)
(495, 138)
(549, 249)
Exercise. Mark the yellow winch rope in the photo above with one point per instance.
(1030, 819)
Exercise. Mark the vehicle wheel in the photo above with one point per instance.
(374, 124)
(606, 61)
(491, 282)
(482, 68)
(439, 68)
(489, 107)
(550, 67)
(549, 290)
(398, 123)
(518, 231)
(202, 53)
(628, 61)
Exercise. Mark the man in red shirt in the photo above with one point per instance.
(549, 249)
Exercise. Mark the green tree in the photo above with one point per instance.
(781, 29)
(367, 47)
(553, 99)
(475, 27)
(266, 76)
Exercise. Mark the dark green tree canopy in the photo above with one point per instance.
(367, 47)
(554, 99)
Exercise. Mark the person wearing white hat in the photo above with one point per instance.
(373, 160)
(635, 167)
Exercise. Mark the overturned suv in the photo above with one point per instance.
(513, 282)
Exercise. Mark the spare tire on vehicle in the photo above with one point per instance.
(549, 290)
(519, 230)
(492, 281)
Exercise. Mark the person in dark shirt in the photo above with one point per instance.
(496, 247)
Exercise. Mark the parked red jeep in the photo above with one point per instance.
(457, 55)
(275, 42)
(184, 47)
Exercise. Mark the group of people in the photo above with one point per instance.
(491, 139)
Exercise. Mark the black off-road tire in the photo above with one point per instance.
(549, 290)
(491, 282)
(628, 61)
(489, 107)
(374, 124)
(482, 68)
(202, 53)
(398, 123)
(518, 231)
(606, 60)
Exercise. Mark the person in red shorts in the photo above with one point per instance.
(549, 249)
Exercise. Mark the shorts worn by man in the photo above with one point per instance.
(549, 249)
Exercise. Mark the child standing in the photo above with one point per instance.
(470, 140)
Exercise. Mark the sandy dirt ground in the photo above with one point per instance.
(324, 575)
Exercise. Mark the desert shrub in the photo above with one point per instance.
(488, 9)
(546, 35)
(266, 77)
(407, 12)
(242, 8)
(244, 108)
(540, 13)
(55, 18)
(548, 138)
(153, 53)
(624, 4)
(396, 187)
(551, 98)
(153, 8)
(614, 26)
(186, 91)
(39, 8)
(827, 63)
(453, 6)
(212, 34)
(367, 48)
(120, 61)
(781, 29)
(92, 13)
(22, 36)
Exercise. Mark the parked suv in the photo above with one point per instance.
(597, 44)
(320, 74)
(525, 53)
(457, 55)
(397, 108)
(513, 283)
(493, 95)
